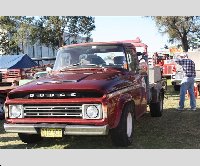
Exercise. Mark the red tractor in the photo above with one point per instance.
(166, 63)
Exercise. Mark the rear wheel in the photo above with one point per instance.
(156, 109)
(29, 138)
(122, 135)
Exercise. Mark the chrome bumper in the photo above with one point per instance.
(68, 129)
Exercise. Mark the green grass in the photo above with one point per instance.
(174, 130)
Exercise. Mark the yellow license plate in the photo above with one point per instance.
(48, 132)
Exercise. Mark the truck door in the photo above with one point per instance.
(138, 82)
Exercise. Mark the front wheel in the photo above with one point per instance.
(122, 135)
(29, 138)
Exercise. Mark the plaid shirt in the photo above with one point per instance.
(188, 67)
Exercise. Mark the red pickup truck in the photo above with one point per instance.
(93, 89)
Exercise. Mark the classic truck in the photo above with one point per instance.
(96, 88)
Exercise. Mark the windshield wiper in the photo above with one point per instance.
(79, 65)
(90, 65)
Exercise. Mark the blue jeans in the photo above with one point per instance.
(187, 84)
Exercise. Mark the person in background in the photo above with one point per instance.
(155, 58)
(15, 83)
(187, 82)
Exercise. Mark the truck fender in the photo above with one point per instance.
(123, 100)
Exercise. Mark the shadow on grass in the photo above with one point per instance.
(67, 142)
(5, 139)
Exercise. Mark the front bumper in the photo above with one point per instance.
(68, 129)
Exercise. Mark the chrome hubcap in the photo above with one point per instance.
(129, 124)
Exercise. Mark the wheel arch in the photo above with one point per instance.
(123, 101)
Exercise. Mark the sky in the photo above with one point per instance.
(111, 28)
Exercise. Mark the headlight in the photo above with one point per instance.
(15, 111)
(92, 111)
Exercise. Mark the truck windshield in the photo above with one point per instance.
(90, 56)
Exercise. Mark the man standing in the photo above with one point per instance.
(187, 82)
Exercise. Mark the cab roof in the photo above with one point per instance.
(128, 44)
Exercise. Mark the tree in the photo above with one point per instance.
(194, 42)
(7, 30)
(14, 33)
(179, 28)
(52, 28)
(17, 31)
(23, 26)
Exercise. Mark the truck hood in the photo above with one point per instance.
(104, 81)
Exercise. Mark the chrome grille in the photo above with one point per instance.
(53, 111)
